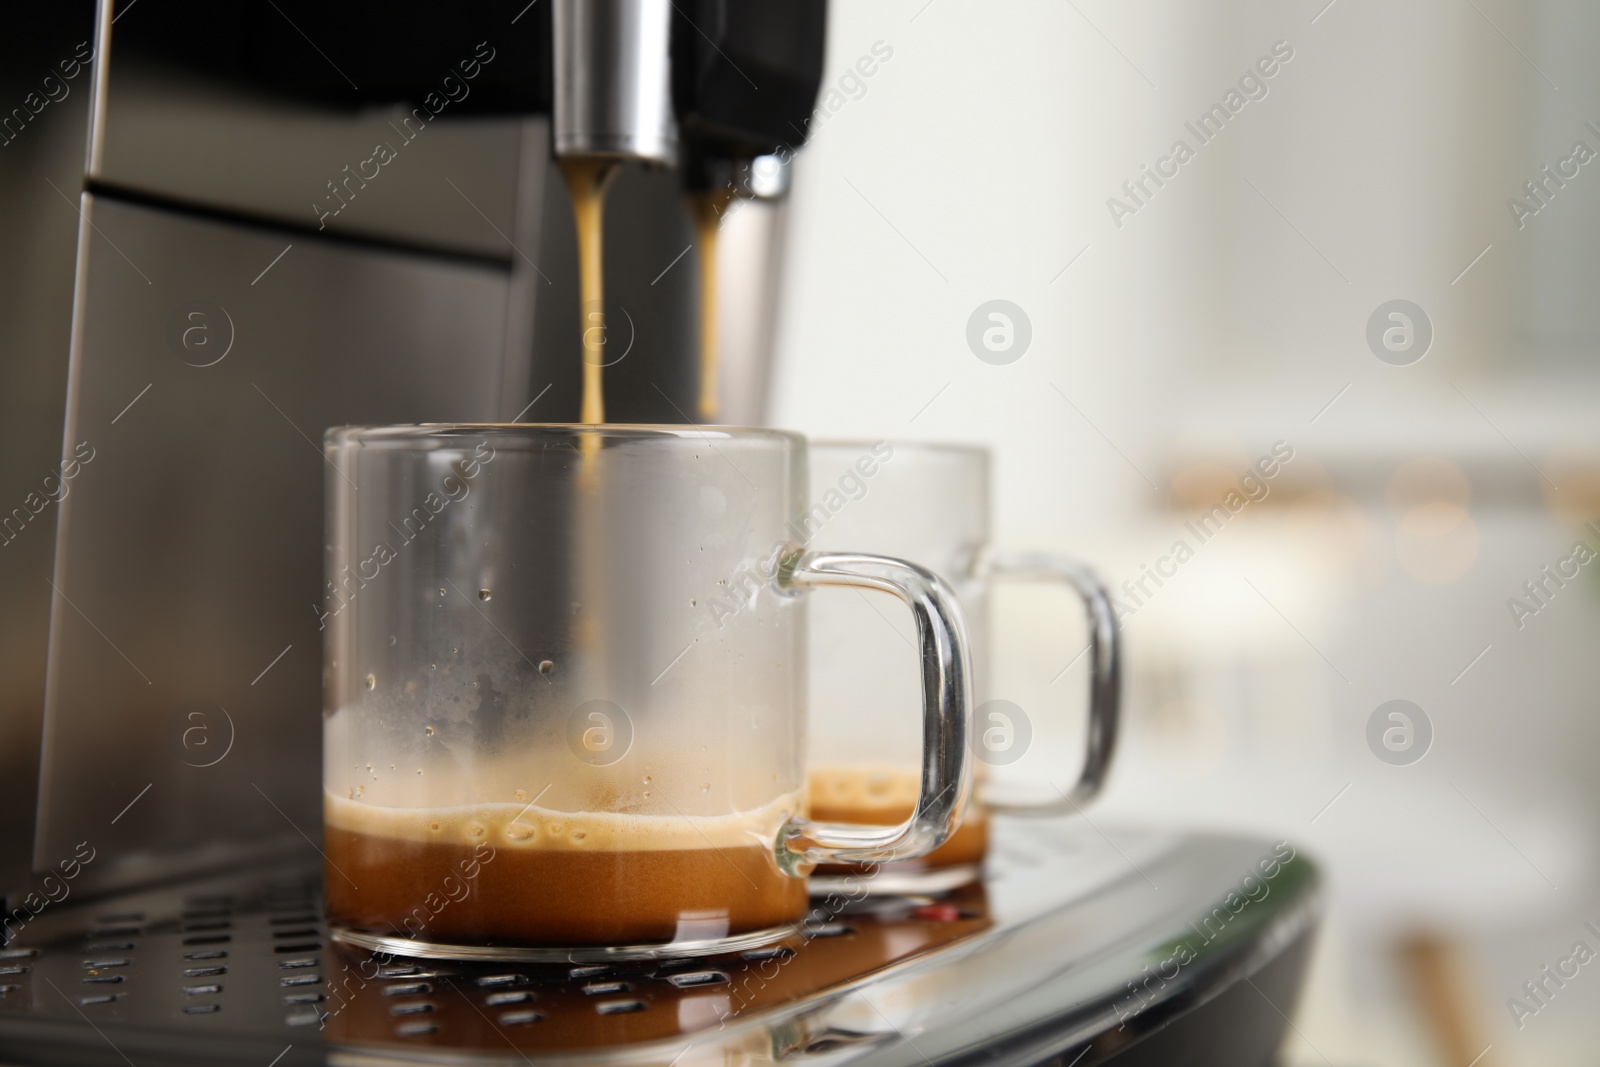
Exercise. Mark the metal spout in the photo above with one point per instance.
(613, 92)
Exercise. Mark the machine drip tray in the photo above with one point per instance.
(1076, 949)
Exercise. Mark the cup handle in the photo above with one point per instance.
(1105, 672)
(946, 716)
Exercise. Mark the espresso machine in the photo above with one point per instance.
(235, 225)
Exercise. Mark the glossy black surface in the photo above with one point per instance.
(1077, 948)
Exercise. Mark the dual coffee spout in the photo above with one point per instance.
(720, 90)
(685, 83)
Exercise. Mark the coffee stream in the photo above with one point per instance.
(586, 182)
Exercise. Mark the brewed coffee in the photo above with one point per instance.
(506, 873)
(887, 795)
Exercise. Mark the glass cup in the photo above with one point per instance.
(564, 695)
(930, 502)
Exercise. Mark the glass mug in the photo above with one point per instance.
(932, 502)
(548, 733)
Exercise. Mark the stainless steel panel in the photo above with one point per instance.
(38, 242)
(451, 183)
(185, 653)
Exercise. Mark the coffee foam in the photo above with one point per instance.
(871, 788)
(524, 826)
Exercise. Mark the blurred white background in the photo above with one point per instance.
(1229, 312)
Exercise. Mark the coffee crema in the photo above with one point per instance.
(885, 796)
(516, 874)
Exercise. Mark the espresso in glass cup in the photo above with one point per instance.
(565, 691)
(931, 501)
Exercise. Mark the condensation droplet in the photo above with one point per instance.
(428, 730)
(521, 794)
(647, 779)
(691, 602)
(484, 594)
(519, 831)
(546, 666)
(441, 590)
(475, 829)
(392, 640)
(419, 770)
(434, 827)
(705, 787)
(372, 681)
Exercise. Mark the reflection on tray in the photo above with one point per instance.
(375, 1001)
